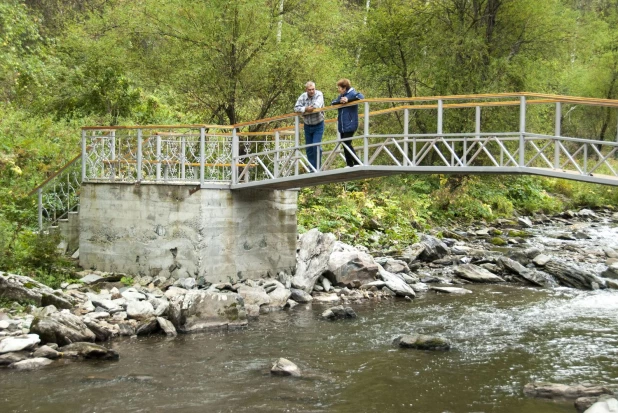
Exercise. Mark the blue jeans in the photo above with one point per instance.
(313, 134)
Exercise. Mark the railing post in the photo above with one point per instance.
(183, 148)
(440, 116)
(113, 155)
(557, 133)
(84, 155)
(366, 136)
(40, 208)
(477, 131)
(139, 155)
(158, 157)
(203, 154)
(235, 160)
(406, 132)
(522, 130)
(296, 142)
(276, 167)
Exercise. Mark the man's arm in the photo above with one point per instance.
(300, 104)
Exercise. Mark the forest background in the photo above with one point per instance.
(65, 64)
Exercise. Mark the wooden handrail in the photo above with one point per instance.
(55, 174)
(538, 98)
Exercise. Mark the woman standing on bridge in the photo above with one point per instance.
(347, 118)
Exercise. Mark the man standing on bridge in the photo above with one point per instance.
(306, 104)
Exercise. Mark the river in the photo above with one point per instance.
(503, 337)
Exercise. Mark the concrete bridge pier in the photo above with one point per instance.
(167, 231)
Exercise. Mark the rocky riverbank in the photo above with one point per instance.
(100, 308)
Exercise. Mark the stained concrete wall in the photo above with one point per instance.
(164, 230)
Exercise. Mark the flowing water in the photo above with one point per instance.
(503, 337)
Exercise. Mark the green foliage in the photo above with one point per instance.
(66, 64)
(128, 281)
(357, 217)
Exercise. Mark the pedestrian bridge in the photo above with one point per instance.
(508, 133)
(214, 201)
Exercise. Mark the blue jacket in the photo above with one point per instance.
(347, 117)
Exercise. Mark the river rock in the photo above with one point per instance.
(131, 294)
(412, 252)
(89, 351)
(541, 259)
(571, 276)
(140, 310)
(393, 265)
(279, 297)
(396, 283)
(25, 289)
(284, 367)
(433, 248)
(32, 364)
(47, 352)
(326, 298)
(10, 358)
(339, 312)
(254, 295)
(167, 327)
(422, 342)
(101, 333)
(61, 328)
(108, 305)
(524, 222)
(475, 273)
(300, 296)
(314, 249)
(562, 391)
(584, 403)
(147, 327)
(451, 290)
(200, 310)
(13, 344)
(350, 267)
(604, 406)
(611, 271)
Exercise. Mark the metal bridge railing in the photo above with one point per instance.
(498, 133)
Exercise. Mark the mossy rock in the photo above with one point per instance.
(515, 233)
(496, 232)
(497, 241)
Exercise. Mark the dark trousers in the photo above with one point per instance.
(313, 134)
(349, 159)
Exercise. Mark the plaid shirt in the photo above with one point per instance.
(317, 101)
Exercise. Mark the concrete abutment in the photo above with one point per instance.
(166, 230)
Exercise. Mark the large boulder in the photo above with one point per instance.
(396, 283)
(563, 391)
(62, 328)
(314, 249)
(89, 351)
(349, 267)
(199, 310)
(434, 249)
(13, 344)
(31, 364)
(571, 276)
(24, 289)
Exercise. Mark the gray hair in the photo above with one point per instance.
(309, 83)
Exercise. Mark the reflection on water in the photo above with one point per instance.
(503, 338)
